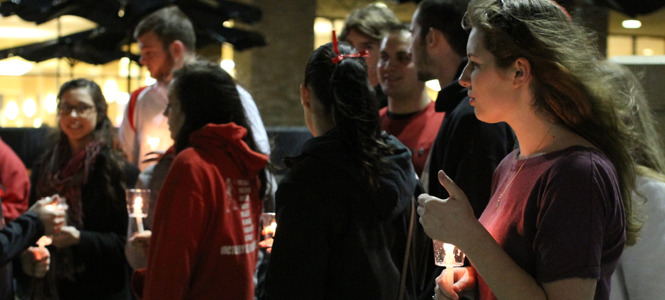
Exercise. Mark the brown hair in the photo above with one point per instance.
(444, 16)
(169, 24)
(633, 109)
(564, 64)
(372, 21)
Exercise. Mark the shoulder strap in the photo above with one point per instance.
(132, 106)
(405, 266)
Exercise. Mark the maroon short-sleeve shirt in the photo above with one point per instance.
(562, 216)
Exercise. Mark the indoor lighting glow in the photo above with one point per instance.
(24, 33)
(14, 66)
(118, 120)
(149, 80)
(29, 107)
(110, 90)
(322, 26)
(37, 123)
(647, 52)
(50, 103)
(11, 111)
(631, 24)
(433, 84)
(227, 65)
(123, 98)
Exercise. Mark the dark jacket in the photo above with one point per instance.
(338, 238)
(15, 237)
(102, 243)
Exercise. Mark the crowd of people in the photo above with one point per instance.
(539, 160)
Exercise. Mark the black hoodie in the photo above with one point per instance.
(337, 237)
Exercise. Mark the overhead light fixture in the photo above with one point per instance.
(24, 33)
(631, 24)
(110, 90)
(50, 103)
(433, 84)
(322, 26)
(37, 122)
(11, 110)
(227, 65)
(29, 107)
(15, 66)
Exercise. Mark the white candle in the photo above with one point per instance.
(449, 262)
(138, 213)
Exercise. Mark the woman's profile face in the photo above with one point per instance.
(489, 87)
(78, 116)
(176, 118)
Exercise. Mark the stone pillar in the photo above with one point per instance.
(273, 73)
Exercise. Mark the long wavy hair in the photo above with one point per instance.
(60, 152)
(633, 109)
(346, 95)
(564, 63)
(208, 95)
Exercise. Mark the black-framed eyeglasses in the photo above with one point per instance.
(81, 109)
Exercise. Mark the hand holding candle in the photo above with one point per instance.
(449, 256)
(269, 227)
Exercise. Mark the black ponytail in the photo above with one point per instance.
(345, 92)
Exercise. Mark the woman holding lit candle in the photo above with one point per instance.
(85, 166)
(205, 228)
(343, 210)
(561, 209)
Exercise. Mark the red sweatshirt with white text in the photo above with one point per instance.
(205, 229)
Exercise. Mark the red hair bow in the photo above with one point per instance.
(339, 57)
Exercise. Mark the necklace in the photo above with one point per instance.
(520, 169)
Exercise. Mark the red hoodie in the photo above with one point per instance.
(205, 230)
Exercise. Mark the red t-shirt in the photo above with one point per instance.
(416, 131)
(562, 217)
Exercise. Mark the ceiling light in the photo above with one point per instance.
(110, 90)
(322, 26)
(24, 33)
(50, 103)
(227, 65)
(29, 107)
(11, 111)
(15, 66)
(37, 122)
(632, 24)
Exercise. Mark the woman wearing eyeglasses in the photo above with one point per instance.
(85, 166)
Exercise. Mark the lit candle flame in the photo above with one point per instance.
(153, 142)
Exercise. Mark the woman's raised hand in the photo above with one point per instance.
(447, 220)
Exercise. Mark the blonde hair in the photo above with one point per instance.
(633, 109)
(564, 64)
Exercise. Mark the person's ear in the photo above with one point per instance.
(521, 70)
(305, 98)
(431, 38)
(177, 50)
